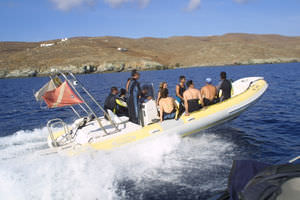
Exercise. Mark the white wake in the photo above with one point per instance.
(24, 174)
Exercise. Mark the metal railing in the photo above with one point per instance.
(51, 124)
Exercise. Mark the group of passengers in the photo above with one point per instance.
(188, 98)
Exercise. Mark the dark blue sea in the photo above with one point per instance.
(194, 167)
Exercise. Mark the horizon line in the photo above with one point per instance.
(128, 37)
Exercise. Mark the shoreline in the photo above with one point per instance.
(85, 55)
(29, 73)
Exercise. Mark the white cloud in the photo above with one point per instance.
(240, 1)
(116, 3)
(66, 5)
(193, 5)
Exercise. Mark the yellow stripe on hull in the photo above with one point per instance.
(117, 141)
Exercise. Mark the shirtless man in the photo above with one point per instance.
(191, 98)
(208, 93)
(167, 106)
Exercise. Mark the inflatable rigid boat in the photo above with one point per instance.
(106, 133)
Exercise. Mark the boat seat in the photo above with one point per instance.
(116, 119)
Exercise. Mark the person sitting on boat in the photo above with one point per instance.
(134, 94)
(122, 109)
(115, 104)
(110, 101)
(180, 88)
(145, 96)
(162, 86)
(224, 86)
(191, 97)
(167, 106)
(208, 93)
(122, 94)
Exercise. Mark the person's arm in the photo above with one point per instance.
(127, 85)
(177, 92)
(139, 90)
(231, 89)
(158, 98)
(202, 92)
(216, 93)
(186, 105)
(174, 103)
(200, 98)
(219, 85)
(219, 88)
(114, 104)
(161, 113)
(121, 102)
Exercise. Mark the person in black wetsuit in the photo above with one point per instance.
(122, 108)
(134, 94)
(129, 79)
(225, 86)
(191, 98)
(116, 104)
(110, 101)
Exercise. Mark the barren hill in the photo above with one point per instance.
(100, 54)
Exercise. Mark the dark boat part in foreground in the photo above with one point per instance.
(252, 180)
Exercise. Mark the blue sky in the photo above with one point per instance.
(38, 20)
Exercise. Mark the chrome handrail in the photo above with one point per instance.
(53, 122)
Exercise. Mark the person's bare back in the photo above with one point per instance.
(191, 93)
(167, 105)
(191, 98)
(209, 92)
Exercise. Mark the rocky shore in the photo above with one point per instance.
(86, 69)
(120, 67)
(114, 54)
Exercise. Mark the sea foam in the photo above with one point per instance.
(132, 170)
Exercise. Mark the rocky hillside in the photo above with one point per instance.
(104, 54)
